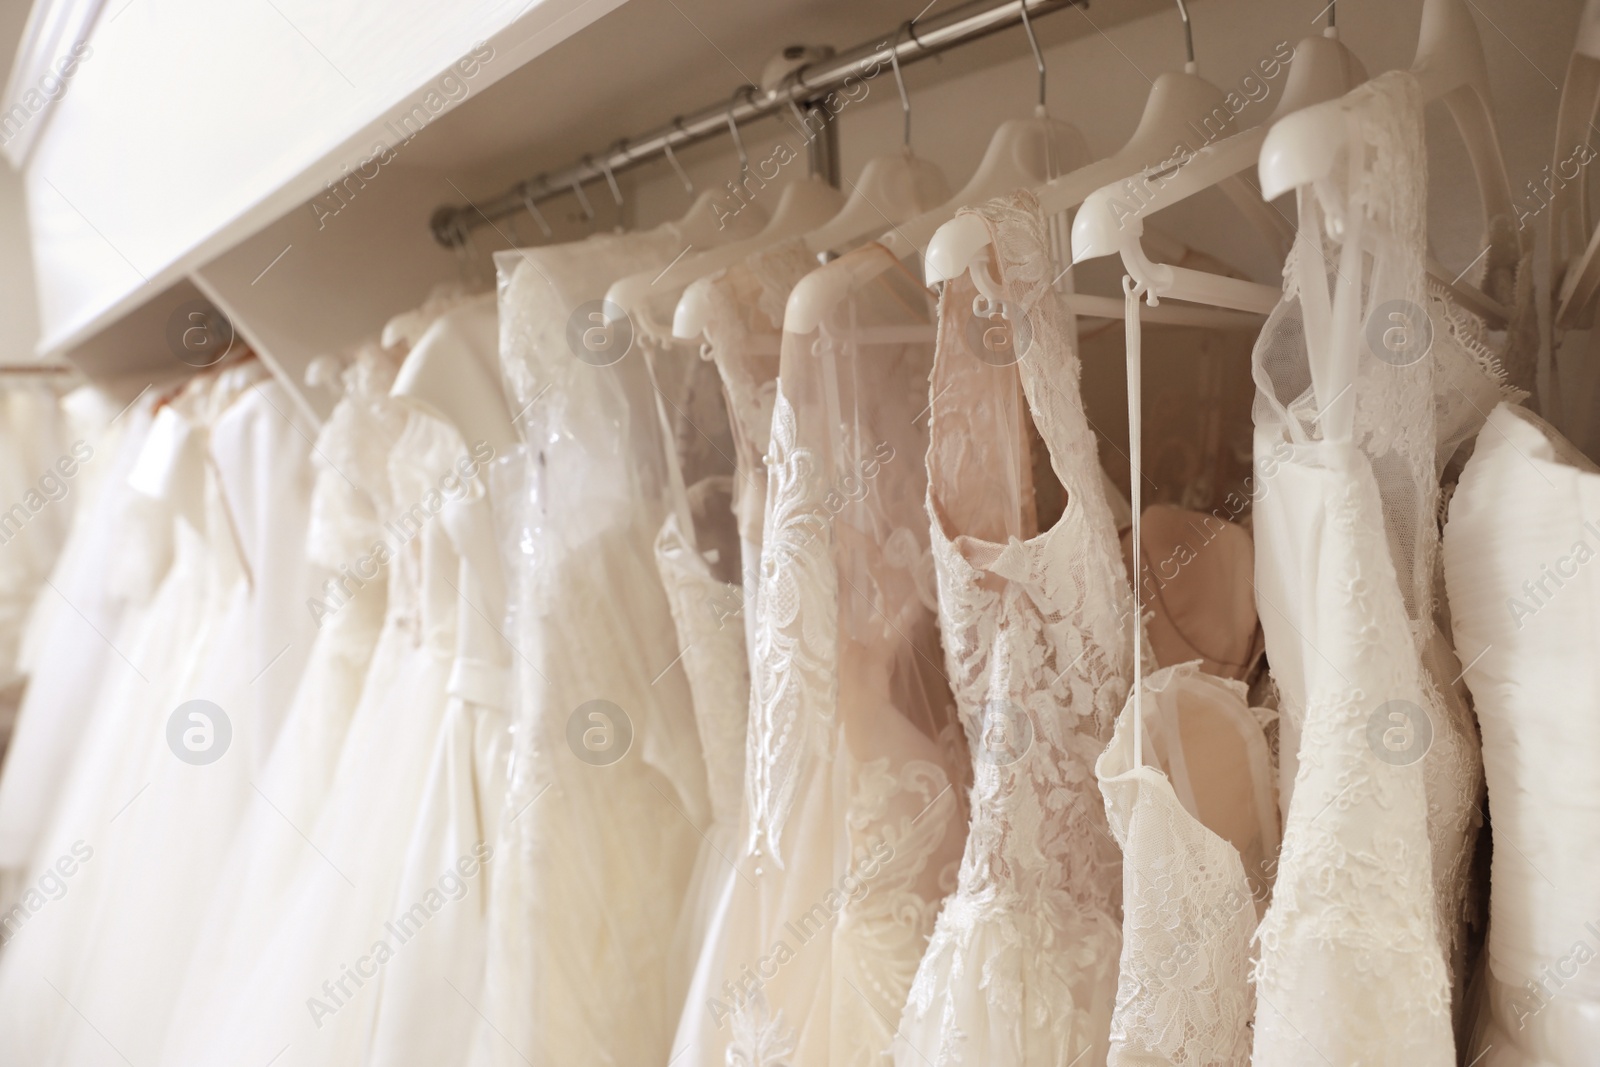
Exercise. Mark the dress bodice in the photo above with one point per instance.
(1037, 653)
(705, 607)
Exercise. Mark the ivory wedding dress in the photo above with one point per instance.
(425, 1015)
(744, 335)
(1021, 968)
(705, 607)
(1519, 553)
(350, 497)
(598, 833)
(310, 999)
(852, 819)
(81, 601)
(1379, 758)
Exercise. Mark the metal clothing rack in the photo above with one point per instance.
(801, 92)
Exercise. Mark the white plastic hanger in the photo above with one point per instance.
(802, 206)
(1303, 147)
(892, 188)
(1023, 153)
(1578, 272)
(1180, 107)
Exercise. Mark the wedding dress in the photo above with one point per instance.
(309, 998)
(151, 819)
(1021, 968)
(704, 609)
(599, 828)
(1379, 762)
(852, 818)
(1195, 819)
(80, 607)
(349, 499)
(425, 1015)
(1523, 532)
(744, 334)
(36, 505)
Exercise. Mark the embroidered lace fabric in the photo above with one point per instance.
(1355, 426)
(852, 824)
(743, 334)
(1188, 908)
(1021, 968)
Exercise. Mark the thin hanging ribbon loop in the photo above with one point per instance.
(1132, 290)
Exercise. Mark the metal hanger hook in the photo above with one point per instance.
(533, 206)
(1038, 56)
(1188, 30)
(733, 130)
(802, 125)
(688, 186)
(1333, 14)
(577, 190)
(899, 80)
(605, 164)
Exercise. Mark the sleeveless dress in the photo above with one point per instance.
(1021, 968)
(1380, 769)
(1189, 907)
(350, 496)
(1519, 553)
(598, 832)
(704, 609)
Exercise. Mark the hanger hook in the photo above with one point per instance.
(1188, 31)
(533, 206)
(733, 130)
(605, 164)
(803, 127)
(688, 186)
(899, 81)
(577, 190)
(1333, 14)
(1038, 57)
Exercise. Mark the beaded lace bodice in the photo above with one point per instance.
(1039, 661)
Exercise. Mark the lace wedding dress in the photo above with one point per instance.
(1380, 772)
(598, 835)
(744, 334)
(1021, 968)
(1519, 554)
(705, 608)
(852, 822)
(1189, 907)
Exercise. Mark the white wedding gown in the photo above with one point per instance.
(82, 600)
(599, 830)
(1366, 932)
(1021, 968)
(1519, 556)
(350, 496)
(115, 948)
(852, 825)
(310, 995)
